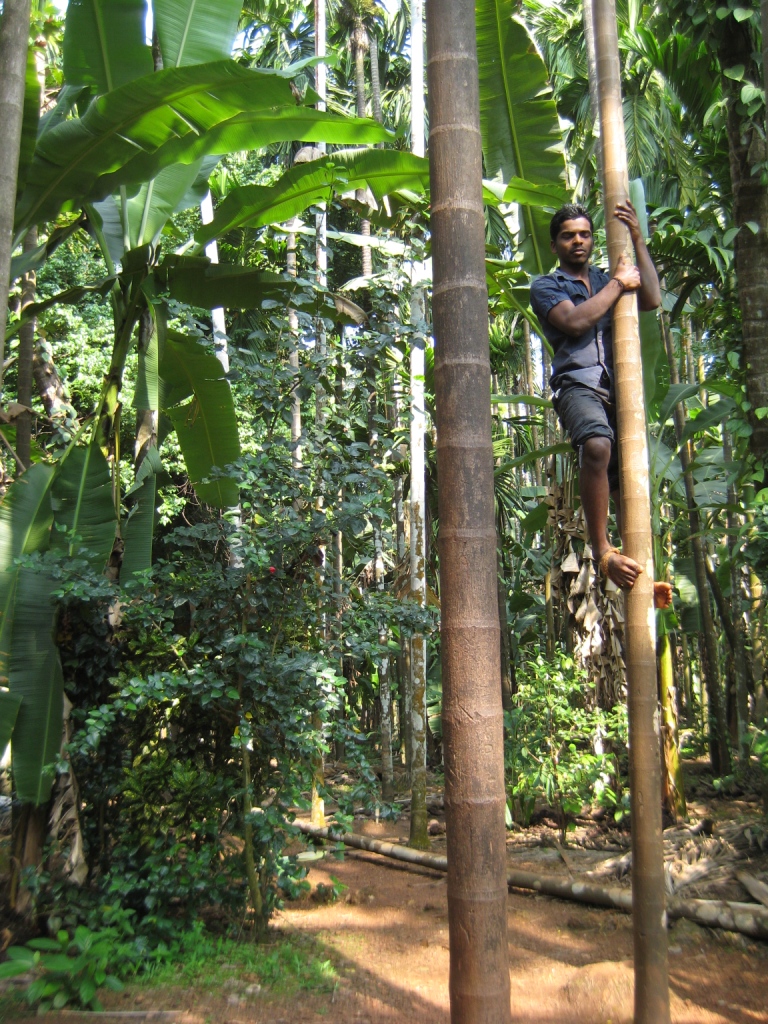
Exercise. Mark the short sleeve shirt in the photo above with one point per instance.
(581, 360)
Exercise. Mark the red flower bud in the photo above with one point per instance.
(272, 570)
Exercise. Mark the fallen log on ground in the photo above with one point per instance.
(747, 918)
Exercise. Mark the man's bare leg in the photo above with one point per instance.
(595, 456)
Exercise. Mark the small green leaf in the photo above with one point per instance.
(736, 72)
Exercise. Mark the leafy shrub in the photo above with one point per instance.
(556, 742)
(67, 971)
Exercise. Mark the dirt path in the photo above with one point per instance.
(387, 939)
(568, 963)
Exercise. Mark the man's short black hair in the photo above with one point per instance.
(568, 212)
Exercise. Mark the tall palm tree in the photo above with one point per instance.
(14, 42)
(472, 711)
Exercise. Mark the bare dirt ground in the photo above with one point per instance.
(386, 936)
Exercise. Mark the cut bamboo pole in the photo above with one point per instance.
(649, 917)
(746, 918)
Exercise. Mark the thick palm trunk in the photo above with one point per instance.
(472, 713)
(14, 41)
(649, 905)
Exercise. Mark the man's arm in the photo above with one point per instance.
(574, 320)
(649, 292)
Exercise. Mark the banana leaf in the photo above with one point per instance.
(518, 118)
(105, 43)
(147, 391)
(105, 223)
(83, 507)
(206, 426)
(138, 528)
(687, 598)
(150, 210)
(193, 31)
(198, 282)
(173, 116)
(35, 678)
(652, 349)
(306, 184)
(25, 525)
(30, 118)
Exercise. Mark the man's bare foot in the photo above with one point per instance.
(662, 594)
(621, 570)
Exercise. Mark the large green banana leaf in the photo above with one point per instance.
(189, 32)
(653, 350)
(25, 525)
(206, 426)
(174, 116)
(382, 170)
(195, 31)
(198, 282)
(75, 495)
(35, 677)
(28, 657)
(105, 43)
(149, 211)
(518, 118)
(146, 394)
(139, 527)
(83, 505)
(31, 118)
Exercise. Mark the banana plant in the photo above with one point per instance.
(518, 119)
(128, 146)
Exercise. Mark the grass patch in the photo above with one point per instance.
(285, 965)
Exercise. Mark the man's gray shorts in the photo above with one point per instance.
(584, 413)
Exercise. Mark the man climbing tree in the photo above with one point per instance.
(574, 305)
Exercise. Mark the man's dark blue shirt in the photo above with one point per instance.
(587, 359)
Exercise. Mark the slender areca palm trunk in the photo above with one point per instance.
(472, 713)
(718, 746)
(746, 148)
(14, 41)
(218, 319)
(589, 40)
(649, 909)
(26, 358)
(737, 613)
(418, 535)
(317, 813)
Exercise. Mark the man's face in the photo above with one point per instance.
(574, 243)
